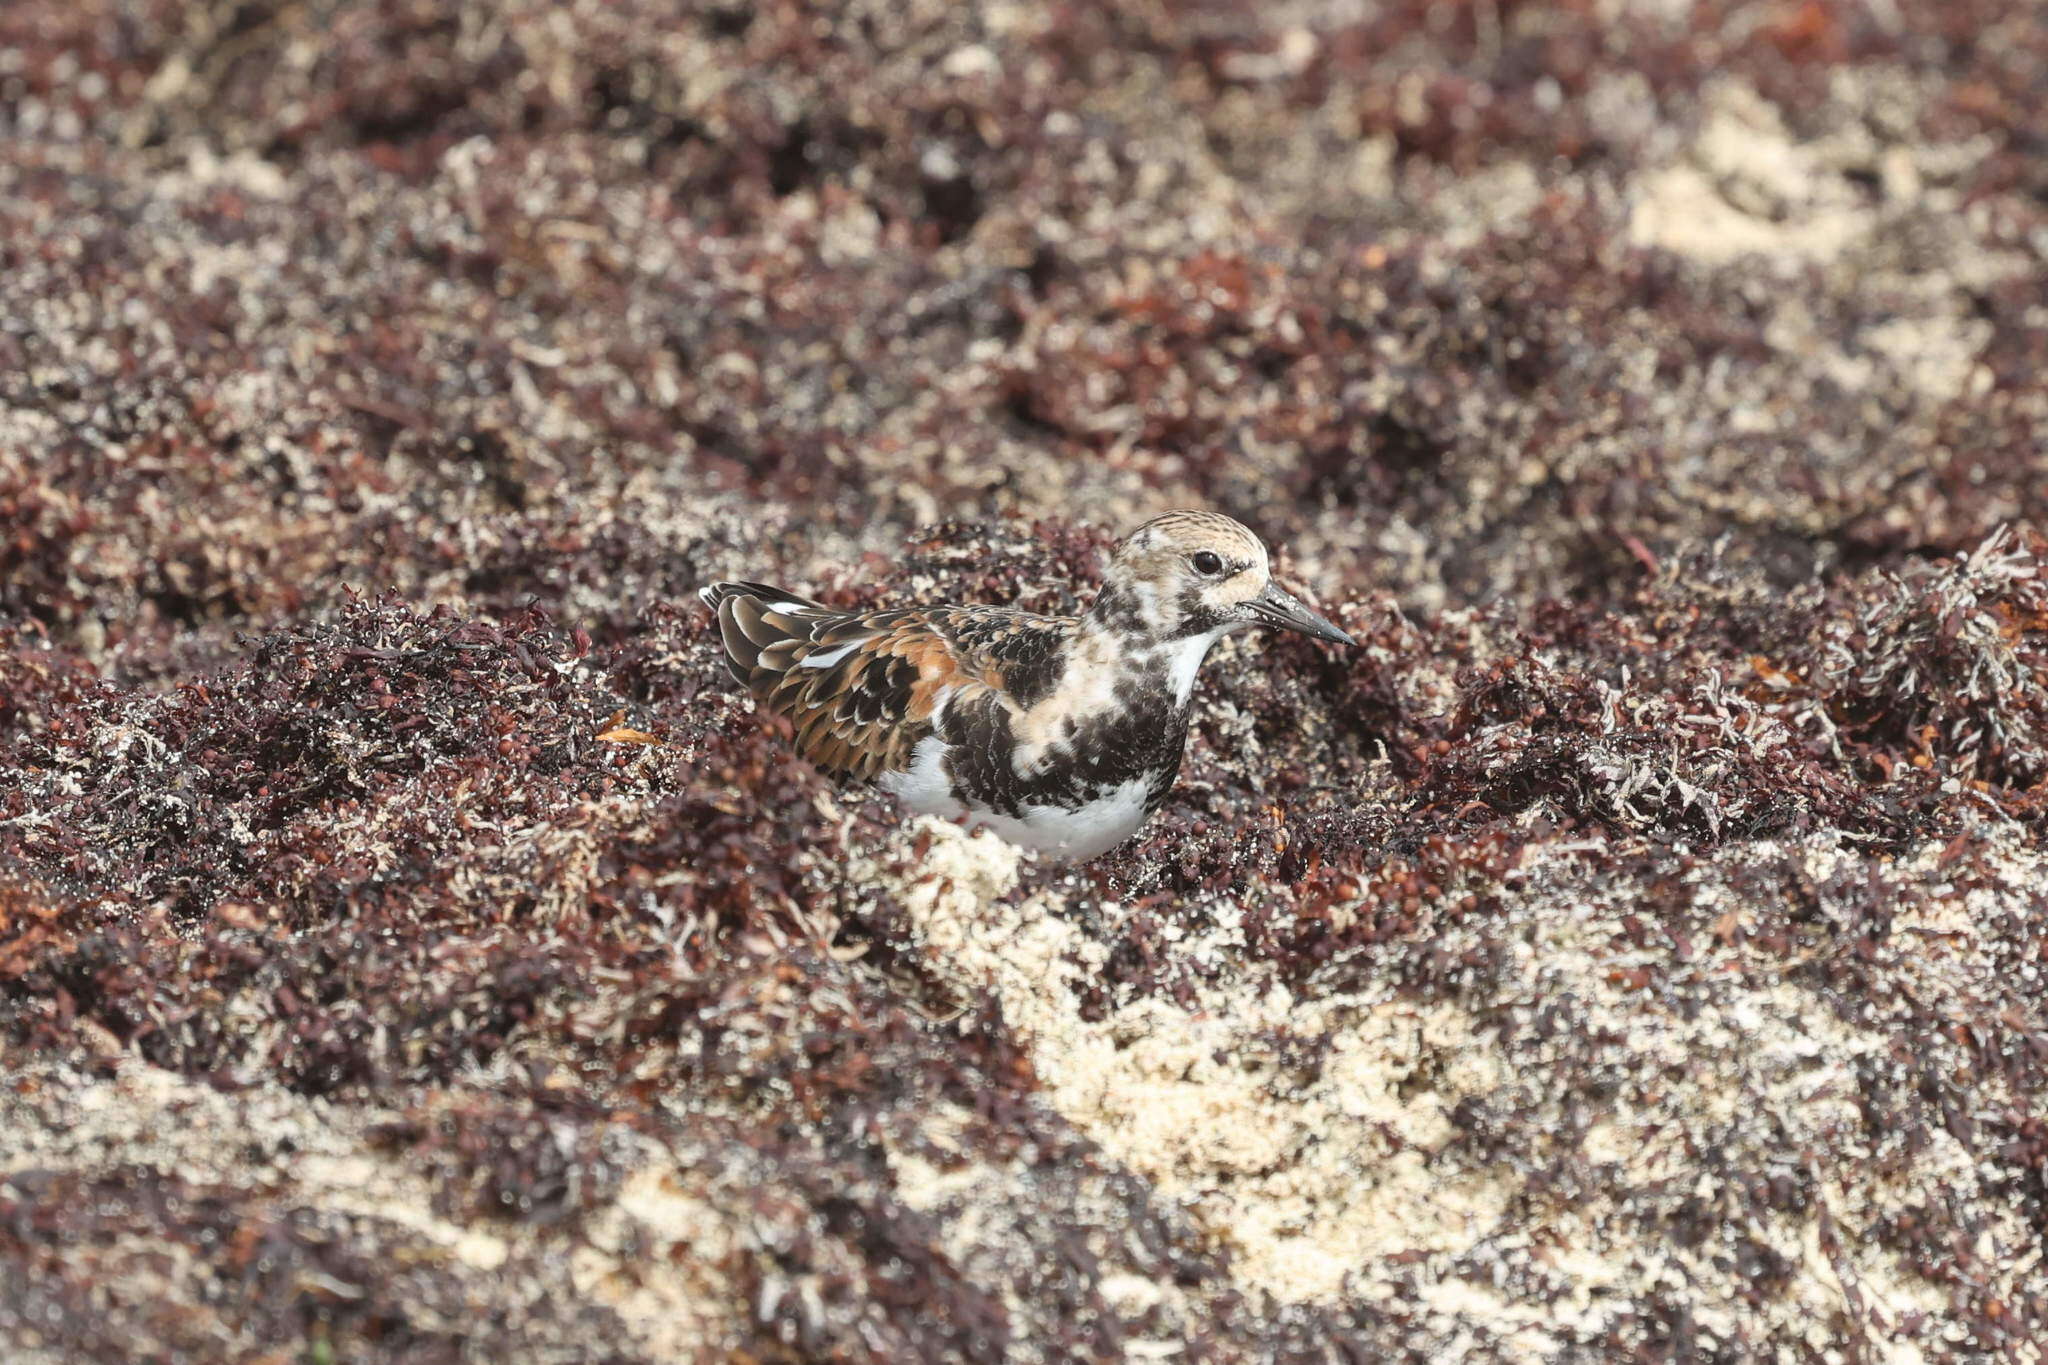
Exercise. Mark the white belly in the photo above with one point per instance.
(1083, 832)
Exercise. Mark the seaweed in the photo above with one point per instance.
(411, 947)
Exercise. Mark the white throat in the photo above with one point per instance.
(1183, 659)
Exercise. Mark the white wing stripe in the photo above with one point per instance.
(830, 657)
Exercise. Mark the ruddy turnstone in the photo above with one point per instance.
(1060, 733)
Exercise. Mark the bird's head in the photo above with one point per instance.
(1188, 575)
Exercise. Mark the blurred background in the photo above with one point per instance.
(584, 302)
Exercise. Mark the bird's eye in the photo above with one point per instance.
(1207, 562)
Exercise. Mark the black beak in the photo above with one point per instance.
(1276, 608)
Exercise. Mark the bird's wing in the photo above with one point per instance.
(862, 687)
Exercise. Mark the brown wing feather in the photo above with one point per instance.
(865, 708)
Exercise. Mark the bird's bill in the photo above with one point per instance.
(1276, 608)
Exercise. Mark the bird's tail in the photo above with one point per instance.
(716, 595)
(762, 629)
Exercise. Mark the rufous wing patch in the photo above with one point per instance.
(862, 688)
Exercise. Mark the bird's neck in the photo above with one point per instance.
(1181, 660)
(1132, 661)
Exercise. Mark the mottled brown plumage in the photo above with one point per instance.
(1062, 733)
(863, 712)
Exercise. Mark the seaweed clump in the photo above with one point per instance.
(1945, 667)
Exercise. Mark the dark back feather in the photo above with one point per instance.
(862, 687)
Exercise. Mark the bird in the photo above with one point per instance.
(1061, 734)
